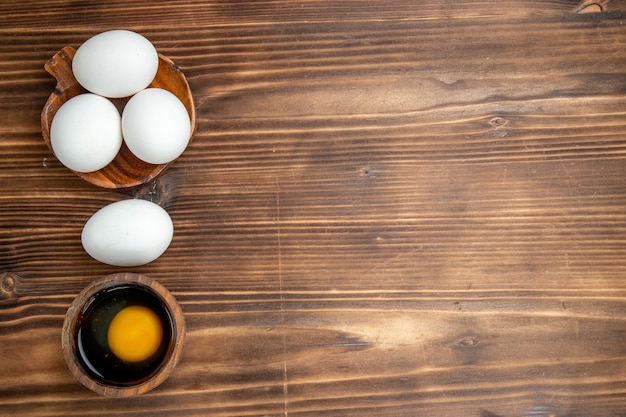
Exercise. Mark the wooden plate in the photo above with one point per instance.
(80, 304)
(126, 170)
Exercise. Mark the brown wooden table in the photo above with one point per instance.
(388, 209)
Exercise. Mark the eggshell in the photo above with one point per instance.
(128, 233)
(156, 126)
(117, 63)
(86, 133)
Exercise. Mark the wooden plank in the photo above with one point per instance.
(387, 209)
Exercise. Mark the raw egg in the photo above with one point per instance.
(115, 316)
(86, 133)
(128, 233)
(117, 63)
(156, 126)
(135, 333)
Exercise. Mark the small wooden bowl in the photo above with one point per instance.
(126, 170)
(100, 293)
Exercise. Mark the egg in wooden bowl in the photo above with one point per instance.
(85, 152)
(123, 335)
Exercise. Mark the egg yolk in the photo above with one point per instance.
(134, 333)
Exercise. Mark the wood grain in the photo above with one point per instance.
(388, 209)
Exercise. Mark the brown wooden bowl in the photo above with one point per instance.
(93, 309)
(126, 170)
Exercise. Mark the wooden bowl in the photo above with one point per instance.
(93, 309)
(126, 170)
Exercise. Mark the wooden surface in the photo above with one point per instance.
(388, 209)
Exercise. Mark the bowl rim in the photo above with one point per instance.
(69, 326)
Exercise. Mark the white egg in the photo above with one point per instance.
(86, 133)
(156, 126)
(117, 63)
(128, 233)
